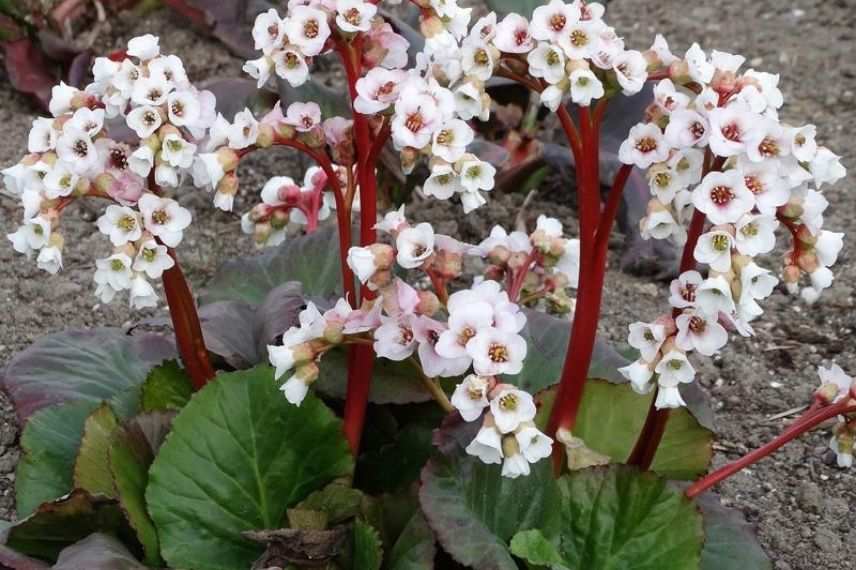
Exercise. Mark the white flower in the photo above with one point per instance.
(639, 374)
(354, 15)
(647, 339)
(114, 271)
(550, 22)
(291, 65)
(513, 242)
(836, 376)
(42, 137)
(428, 331)
(61, 98)
(143, 295)
(164, 218)
(756, 283)
(377, 90)
(843, 449)
(826, 167)
(395, 339)
(169, 68)
(569, 263)
(674, 369)
(416, 119)
(153, 259)
(580, 39)
(478, 60)
(723, 197)
(244, 130)
(87, 120)
(803, 143)
(470, 397)
(510, 408)
(121, 224)
(552, 97)
(767, 140)
(699, 68)
(31, 236)
(533, 444)
(183, 108)
(687, 128)
(361, 260)
(661, 224)
(515, 463)
(76, 149)
(730, 128)
(50, 259)
(631, 71)
(755, 234)
(585, 87)
(60, 181)
(415, 245)
(177, 152)
(392, 222)
(683, 289)
(443, 182)
(512, 35)
(477, 175)
(700, 333)
(714, 248)
(144, 120)
(487, 445)
(141, 161)
(150, 91)
(307, 28)
(828, 246)
(144, 47)
(451, 139)
(713, 296)
(547, 62)
(495, 351)
(295, 390)
(267, 30)
(644, 146)
(207, 170)
(661, 48)
(259, 69)
(764, 181)
(303, 116)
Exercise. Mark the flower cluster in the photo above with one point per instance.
(72, 156)
(716, 153)
(835, 386)
(476, 329)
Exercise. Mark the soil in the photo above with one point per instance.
(799, 500)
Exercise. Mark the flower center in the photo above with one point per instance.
(649, 336)
(750, 229)
(579, 38)
(663, 179)
(117, 265)
(558, 22)
(160, 217)
(406, 335)
(414, 122)
(474, 172)
(126, 223)
(353, 17)
(721, 242)
(474, 393)
(754, 184)
(688, 292)
(446, 137)
(508, 402)
(552, 58)
(768, 147)
(80, 148)
(646, 144)
(465, 335)
(291, 60)
(273, 31)
(697, 130)
(174, 145)
(386, 89)
(521, 36)
(498, 352)
(697, 325)
(433, 337)
(444, 179)
(149, 255)
(676, 364)
(311, 29)
(481, 57)
(721, 195)
(308, 122)
(154, 94)
(731, 132)
(150, 118)
(118, 159)
(177, 108)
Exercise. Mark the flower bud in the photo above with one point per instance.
(384, 255)
(168, 129)
(499, 255)
(431, 26)
(380, 280)
(429, 303)
(285, 131)
(807, 261)
(510, 447)
(104, 182)
(494, 273)
(307, 373)
(792, 209)
(228, 159)
(333, 332)
(228, 184)
(804, 236)
(279, 219)
(315, 138)
(518, 261)
(827, 393)
(261, 233)
(266, 136)
(791, 275)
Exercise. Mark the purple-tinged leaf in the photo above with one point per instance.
(94, 365)
(730, 542)
(235, 94)
(97, 552)
(28, 70)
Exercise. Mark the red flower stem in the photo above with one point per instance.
(361, 358)
(185, 322)
(806, 422)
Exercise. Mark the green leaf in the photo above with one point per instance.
(338, 501)
(96, 365)
(97, 552)
(523, 7)
(475, 512)
(611, 417)
(135, 445)
(730, 543)
(618, 517)
(49, 443)
(167, 387)
(238, 456)
(58, 524)
(533, 547)
(92, 468)
(547, 340)
(414, 549)
(392, 382)
(308, 259)
(368, 551)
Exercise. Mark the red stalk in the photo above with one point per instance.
(806, 422)
(185, 322)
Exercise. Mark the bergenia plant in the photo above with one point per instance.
(483, 423)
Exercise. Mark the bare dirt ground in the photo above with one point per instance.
(804, 506)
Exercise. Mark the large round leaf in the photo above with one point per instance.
(729, 542)
(92, 468)
(94, 365)
(618, 517)
(475, 512)
(611, 417)
(547, 340)
(414, 549)
(312, 260)
(237, 457)
(50, 442)
(392, 382)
